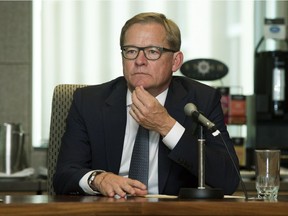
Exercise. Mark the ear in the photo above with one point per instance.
(177, 60)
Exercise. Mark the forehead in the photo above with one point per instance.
(145, 34)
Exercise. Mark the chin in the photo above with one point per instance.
(140, 82)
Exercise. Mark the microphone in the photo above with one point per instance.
(191, 110)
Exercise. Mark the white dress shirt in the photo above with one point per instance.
(170, 140)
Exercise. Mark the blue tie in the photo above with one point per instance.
(139, 166)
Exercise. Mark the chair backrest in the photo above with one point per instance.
(61, 102)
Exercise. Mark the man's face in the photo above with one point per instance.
(153, 75)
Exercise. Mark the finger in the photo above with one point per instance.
(142, 92)
(132, 112)
(106, 190)
(139, 192)
(109, 192)
(141, 108)
(105, 186)
(138, 113)
(128, 189)
(136, 188)
(137, 184)
(142, 96)
(137, 101)
(120, 190)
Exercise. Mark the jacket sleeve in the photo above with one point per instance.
(75, 146)
(220, 171)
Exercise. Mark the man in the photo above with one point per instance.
(102, 123)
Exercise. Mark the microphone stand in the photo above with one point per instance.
(201, 192)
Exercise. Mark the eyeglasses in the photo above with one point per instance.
(150, 52)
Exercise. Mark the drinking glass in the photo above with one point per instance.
(267, 173)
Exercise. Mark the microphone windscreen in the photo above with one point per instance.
(189, 109)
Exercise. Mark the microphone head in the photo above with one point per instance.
(189, 109)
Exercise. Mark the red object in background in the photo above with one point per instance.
(237, 109)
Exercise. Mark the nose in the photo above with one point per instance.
(141, 59)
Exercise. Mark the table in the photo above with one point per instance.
(96, 205)
(39, 186)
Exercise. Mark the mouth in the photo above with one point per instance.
(141, 73)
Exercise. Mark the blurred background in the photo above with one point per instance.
(44, 43)
(78, 42)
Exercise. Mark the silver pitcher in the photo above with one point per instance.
(13, 154)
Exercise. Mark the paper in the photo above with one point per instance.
(235, 197)
(160, 196)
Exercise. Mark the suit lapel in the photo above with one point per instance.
(114, 112)
(175, 102)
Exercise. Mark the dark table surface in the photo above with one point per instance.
(96, 205)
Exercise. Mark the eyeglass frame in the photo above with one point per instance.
(161, 49)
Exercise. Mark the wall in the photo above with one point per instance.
(79, 43)
(16, 64)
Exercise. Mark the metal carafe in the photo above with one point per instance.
(13, 156)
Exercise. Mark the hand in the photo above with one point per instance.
(149, 113)
(110, 184)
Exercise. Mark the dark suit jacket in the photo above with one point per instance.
(95, 134)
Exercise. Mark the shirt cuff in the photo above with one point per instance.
(174, 135)
(83, 183)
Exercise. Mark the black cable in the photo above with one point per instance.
(236, 169)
